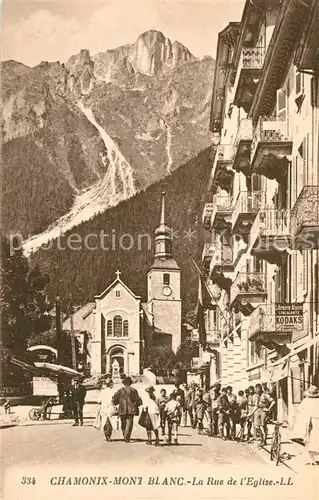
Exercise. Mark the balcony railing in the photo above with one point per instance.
(244, 133)
(274, 130)
(222, 207)
(262, 319)
(271, 222)
(248, 285)
(213, 336)
(208, 251)
(247, 204)
(223, 256)
(207, 215)
(252, 58)
(305, 215)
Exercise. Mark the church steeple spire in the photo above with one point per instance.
(163, 236)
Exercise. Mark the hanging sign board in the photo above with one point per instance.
(44, 386)
(289, 316)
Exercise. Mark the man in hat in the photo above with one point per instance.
(78, 397)
(128, 400)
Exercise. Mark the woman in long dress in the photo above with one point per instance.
(149, 403)
(307, 424)
(106, 409)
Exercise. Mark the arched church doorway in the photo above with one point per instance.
(116, 361)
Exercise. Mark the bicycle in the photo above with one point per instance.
(276, 442)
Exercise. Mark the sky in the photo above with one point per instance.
(53, 31)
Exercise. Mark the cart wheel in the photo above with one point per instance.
(34, 414)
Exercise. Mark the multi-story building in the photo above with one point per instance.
(263, 210)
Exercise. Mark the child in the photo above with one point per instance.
(161, 403)
(173, 413)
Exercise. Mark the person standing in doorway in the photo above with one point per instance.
(78, 396)
(128, 400)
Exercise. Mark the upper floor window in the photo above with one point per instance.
(117, 327)
(118, 294)
(282, 103)
(166, 279)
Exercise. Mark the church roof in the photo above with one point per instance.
(165, 264)
(112, 285)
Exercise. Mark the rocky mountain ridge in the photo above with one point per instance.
(82, 136)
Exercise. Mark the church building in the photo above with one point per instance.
(121, 328)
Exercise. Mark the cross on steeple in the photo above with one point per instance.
(118, 274)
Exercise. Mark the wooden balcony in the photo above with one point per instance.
(221, 215)
(245, 211)
(263, 328)
(247, 291)
(242, 144)
(305, 219)
(248, 74)
(222, 173)
(207, 215)
(271, 145)
(270, 234)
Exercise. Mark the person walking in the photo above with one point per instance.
(128, 400)
(173, 413)
(161, 403)
(149, 404)
(180, 397)
(307, 424)
(106, 410)
(250, 410)
(78, 397)
(262, 404)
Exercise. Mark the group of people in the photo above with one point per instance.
(229, 416)
(126, 403)
(242, 416)
(72, 400)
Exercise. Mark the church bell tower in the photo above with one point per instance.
(164, 285)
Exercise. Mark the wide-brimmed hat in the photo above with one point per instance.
(312, 392)
(149, 388)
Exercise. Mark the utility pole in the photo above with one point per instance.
(58, 317)
(72, 335)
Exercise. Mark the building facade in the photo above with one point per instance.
(262, 211)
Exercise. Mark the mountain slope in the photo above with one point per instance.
(146, 103)
(117, 236)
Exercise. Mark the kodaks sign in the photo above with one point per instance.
(289, 316)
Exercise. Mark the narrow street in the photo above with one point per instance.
(59, 443)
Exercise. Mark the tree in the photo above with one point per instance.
(186, 351)
(23, 303)
(160, 358)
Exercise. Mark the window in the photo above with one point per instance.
(166, 279)
(282, 104)
(109, 330)
(125, 328)
(117, 326)
(118, 294)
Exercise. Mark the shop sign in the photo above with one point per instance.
(44, 386)
(289, 316)
(254, 375)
